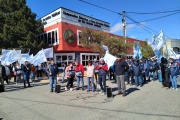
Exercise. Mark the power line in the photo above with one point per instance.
(143, 27)
(157, 17)
(100, 7)
(158, 12)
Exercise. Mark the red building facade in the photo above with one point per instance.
(62, 29)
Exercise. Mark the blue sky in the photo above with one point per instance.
(170, 25)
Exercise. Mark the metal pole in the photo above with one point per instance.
(124, 25)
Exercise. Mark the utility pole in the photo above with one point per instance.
(124, 25)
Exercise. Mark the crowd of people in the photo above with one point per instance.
(124, 71)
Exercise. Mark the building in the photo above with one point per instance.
(173, 44)
(62, 29)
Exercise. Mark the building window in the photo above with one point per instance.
(61, 58)
(85, 57)
(50, 37)
(79, 36)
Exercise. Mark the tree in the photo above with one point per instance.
(94, 40)
(19, 27)
(146, 50)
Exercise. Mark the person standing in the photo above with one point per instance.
(120, 67)
(33, 72)
(95, 63)
(2, 75)
(53, 72)
(137, 73)
(79, 69)
(64, 73)
(143, 70)
(39, 71)
(69, 75)
(7, 74)
(102, 68)
(27, 70)
(90, 76)
(174, 70)
(130, 72)
(17, 72)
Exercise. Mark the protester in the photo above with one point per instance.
(69, 75)
(79, 69)
(143, 70)
(53, 70)
(33, 72)
(18, 73)
(120, 67)
(102, 68)
(137, 73)
(13, 71)
(95, 63)
(130, 78)
(146, 67)
(153, 69)
(173, 66)
(64, 73)
(2, 75)
(27, 70)
(7, 74)
(90, 76)
(46, 68)
(39, 71)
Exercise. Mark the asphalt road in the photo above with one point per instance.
(151, 102)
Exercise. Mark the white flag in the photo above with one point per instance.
(11, 57)
(39, 58)
(23, 58)
(137, 52)
(5, 52)
(109, 59)
(105, 48)
(158, 41)
(48, 52)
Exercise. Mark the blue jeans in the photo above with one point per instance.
(32, 75)
(138, 80)
(80, 78)
(63, 75)
(92, 82)
(102, 82)
(173, 81)
(53, 80)
(26, 78)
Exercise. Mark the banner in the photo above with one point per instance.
(48, 52)
(23, 58)
(39, 58)
(109, 59)
(105, 48)
(11, 57)
(158, 41)
(137, 51)
(5, 52)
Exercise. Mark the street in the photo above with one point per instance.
(151, 102)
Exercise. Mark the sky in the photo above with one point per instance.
(142, 31)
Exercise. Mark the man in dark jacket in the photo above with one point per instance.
(120, 67)
(26, 70)
(2, 75)
(102, 68)
(137, 73)
(53, 70)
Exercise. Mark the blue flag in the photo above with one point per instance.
(137, 52)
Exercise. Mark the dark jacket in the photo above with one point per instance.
(3, 71)
(136, 68)
(121, 67)
(102, 70)
(26, 68)
(174, 69)
(53, 69)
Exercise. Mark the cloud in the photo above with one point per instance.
(133, 37)
(141, 25)
(119, 27)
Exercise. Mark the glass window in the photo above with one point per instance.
(45, 38)
(49, 38)
(55, 36)
(42, 36)
(53, 39)
(70, 57)
(64, 57)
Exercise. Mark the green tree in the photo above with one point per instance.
(19, 27)
(146, 50)
(93, 40)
